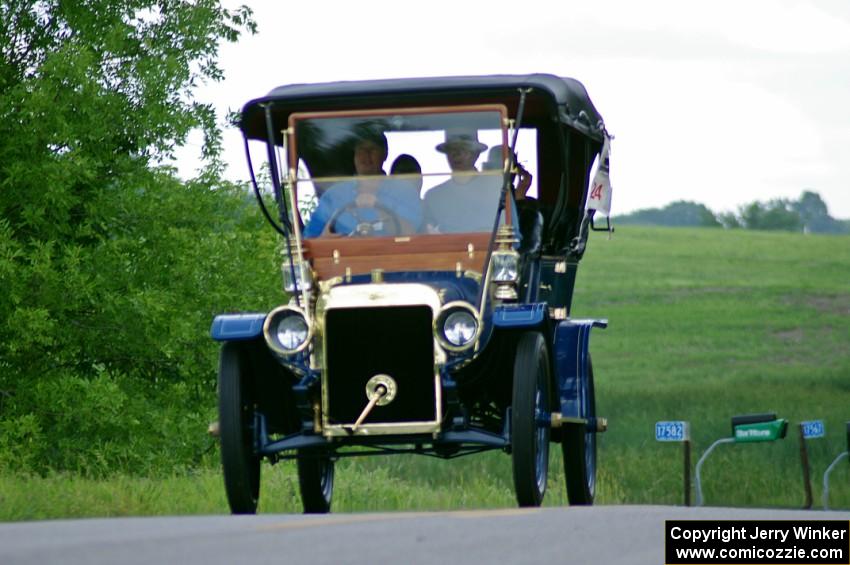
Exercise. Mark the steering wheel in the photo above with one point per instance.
(388, 222)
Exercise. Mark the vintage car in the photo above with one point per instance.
(427, 304)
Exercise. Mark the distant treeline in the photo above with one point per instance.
(808, 214)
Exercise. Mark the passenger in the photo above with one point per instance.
(367, 206)
(466, 202)
(529, 216)
(406, 164)
(495, 162)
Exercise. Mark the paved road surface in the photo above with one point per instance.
(601, 534)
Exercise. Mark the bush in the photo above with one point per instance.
(106, 357)
(110, 266)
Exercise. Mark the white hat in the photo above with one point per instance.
(467, 138)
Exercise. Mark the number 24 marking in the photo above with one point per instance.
(596, 193)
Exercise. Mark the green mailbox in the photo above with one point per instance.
(751, 428)
(763, 431)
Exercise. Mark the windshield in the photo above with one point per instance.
(399, 172)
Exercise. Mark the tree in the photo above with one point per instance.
(679, 213)
(776, 214)
(815, 214)
(111, 267)
(729, 220)
(808, 214)
(93, 92)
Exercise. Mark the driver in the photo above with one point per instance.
(371, 205)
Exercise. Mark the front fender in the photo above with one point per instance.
(572, 363)
(519, 315)
(237, 327)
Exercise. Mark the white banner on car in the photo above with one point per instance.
(599, 198)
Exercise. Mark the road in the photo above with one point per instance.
(601, 534)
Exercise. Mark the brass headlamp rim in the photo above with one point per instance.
(440, 318)
(273, 344)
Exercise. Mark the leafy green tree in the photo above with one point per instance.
(776, 214)
(110, 266)
(808, 214)
(729, 220)
(678, 214)
(815, 216)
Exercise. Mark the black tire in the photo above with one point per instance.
(316, 482)
(236, 422)
(579, 449)
(529, 436)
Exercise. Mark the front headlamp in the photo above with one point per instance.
(303, 276)
(287, 330)
(457, 326)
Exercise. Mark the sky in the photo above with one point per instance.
(721, 102)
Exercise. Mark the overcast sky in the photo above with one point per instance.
(721, 102)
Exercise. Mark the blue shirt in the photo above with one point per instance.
(398, 196)
(453, 207)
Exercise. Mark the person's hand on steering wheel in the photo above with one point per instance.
(366, 200)
(388, 222)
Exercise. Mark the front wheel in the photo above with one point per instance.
(578, 444)
(240, 464)
(316, 482)
(529, 425)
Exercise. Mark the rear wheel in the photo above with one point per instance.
(316, 481)
(578, 444)
(529, 425)
(240, 464)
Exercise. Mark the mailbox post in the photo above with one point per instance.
(831, 466)
(808, 430)
(678, 431)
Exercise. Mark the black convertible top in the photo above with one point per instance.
(551, 97)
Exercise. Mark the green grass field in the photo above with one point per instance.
(704, 324)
